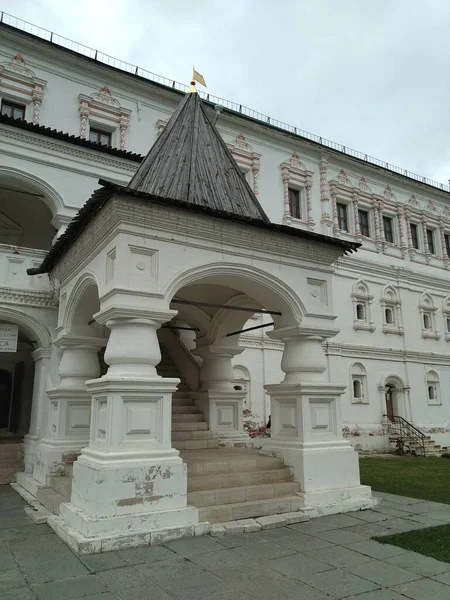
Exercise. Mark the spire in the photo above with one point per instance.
(191, 162)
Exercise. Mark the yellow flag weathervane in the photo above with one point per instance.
(196, 76)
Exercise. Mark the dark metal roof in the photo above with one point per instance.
(71, 139)
(191, 162)
(101, 196)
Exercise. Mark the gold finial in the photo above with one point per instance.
(195, 77)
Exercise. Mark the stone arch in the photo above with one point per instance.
(225, 321)
(195, 317)
(35, 330)
(251, 281)
(426, 300)
(51, 197)
(389, 293)
(83, 290)
(392, 380)
(360, 288)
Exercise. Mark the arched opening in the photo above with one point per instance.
(389, 316)
(426, 321)
(394, 397)
(360, 312)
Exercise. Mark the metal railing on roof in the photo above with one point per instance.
(103, 58)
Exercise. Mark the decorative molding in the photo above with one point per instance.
(294, 173)
(361, 296)
(18, 82)
(160, 126)
(246, 158)
(103, 109)
(391, 302)
(35, 298)
(363, 351)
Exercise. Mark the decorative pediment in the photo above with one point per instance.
(363, 185)
(10, 232)
(343, 178)
(446, 212)
(412, 201)
(17, 65)
(432, 208)
(389, 194)
(160, 126)
(104, 96)
(246, 158)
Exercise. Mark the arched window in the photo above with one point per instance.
(426, 321)
(360, 312)
(358, 383)
(389, 316)
(362, 301)
(391, 306)
(433, 394)
(428, 311)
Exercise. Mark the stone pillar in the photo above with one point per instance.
(306, 426)
(39, 406)
(129, 484)
(69, 406)
(222, 406)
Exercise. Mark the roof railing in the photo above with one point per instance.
(103, 58)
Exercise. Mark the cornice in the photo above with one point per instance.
(248, 341)
(348, 350)
(37, 298)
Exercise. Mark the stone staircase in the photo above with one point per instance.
(225, 484)
(11, 458)
(413, 447)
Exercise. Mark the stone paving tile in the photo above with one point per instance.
(259, 574)
(295, 565)
(149, 591)
(340, 536)
(443, 578)
(286, 590)
(14, 518)
(396, 499)
(17, 593)
(325, 524)
(149, 554)
(376, 550)
(11, 578)
(122, 578)
(402, 525)
(238, 539)
(227, 557)
(197, 586)
(369, 530)
(442, 515)
(194, 545)
(8, 502)
(173, 567)
(102, 562)
(105, 596)
(424, 589)
(377, 595)
(273, 535)
(232, 596)
(6, 558)
(370, 516)
(426, 507)
(420, 564)
(69, 589)
(382, 573)
(338, 583)
(302, 542)
(338, 556)
(426, 520)
(24, 533)
(392, 512)
(46, 558)
(263, 550)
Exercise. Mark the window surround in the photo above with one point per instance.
(431, 240)
(102, 111)
(247, 160)
(391, 311)
(360, 211)
(433, 389)
(358, 384)
(446, 313)
(20, 85)
(5, 103)
(296, 176)
(388, 218)
(361, 296)
(427, 310)
(346, 218)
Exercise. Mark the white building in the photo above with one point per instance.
(383, 314)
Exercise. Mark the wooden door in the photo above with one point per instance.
(389, 404)
(5, 398)
(19, 372)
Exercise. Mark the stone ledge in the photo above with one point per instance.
(259, 523)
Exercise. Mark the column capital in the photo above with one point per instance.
(41, 353)
(72, 341)
(302, 331)
(215, 350)
(126, 313)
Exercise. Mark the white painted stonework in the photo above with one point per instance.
(352, 330)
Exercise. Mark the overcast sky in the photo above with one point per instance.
(370, 74)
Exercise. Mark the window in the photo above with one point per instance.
(428, 317)
(426, 321)
(433, 388)
(360, 312)
(342, 216)
(359, 384)
(389, 316)
(100, 137)
(294, 203)
(388, 229)
(447, 324)
(13, 110)
(430, 240)
(414, 235)
(363, 216)
(447, 243)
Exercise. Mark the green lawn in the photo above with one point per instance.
(424, 478)
(416, 477)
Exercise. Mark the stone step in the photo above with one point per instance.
(183, 409)
(247, 493)
(190, 418)
(211, 482)
(247, 510)
(68, 470)
(182, 401)
(223, 461)
(192, 435)
(62, 485)
(50, 499)
(195, 444)
(189, 426)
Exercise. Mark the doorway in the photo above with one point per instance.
(390, 402)
(5, 398)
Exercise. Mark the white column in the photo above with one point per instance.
(306, 426)
(129, 482)
(69, 406)
(222, 406)
(39, 406)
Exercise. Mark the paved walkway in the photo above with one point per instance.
(329, 557)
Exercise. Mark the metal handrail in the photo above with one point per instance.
(121, 65)
(405, 431)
